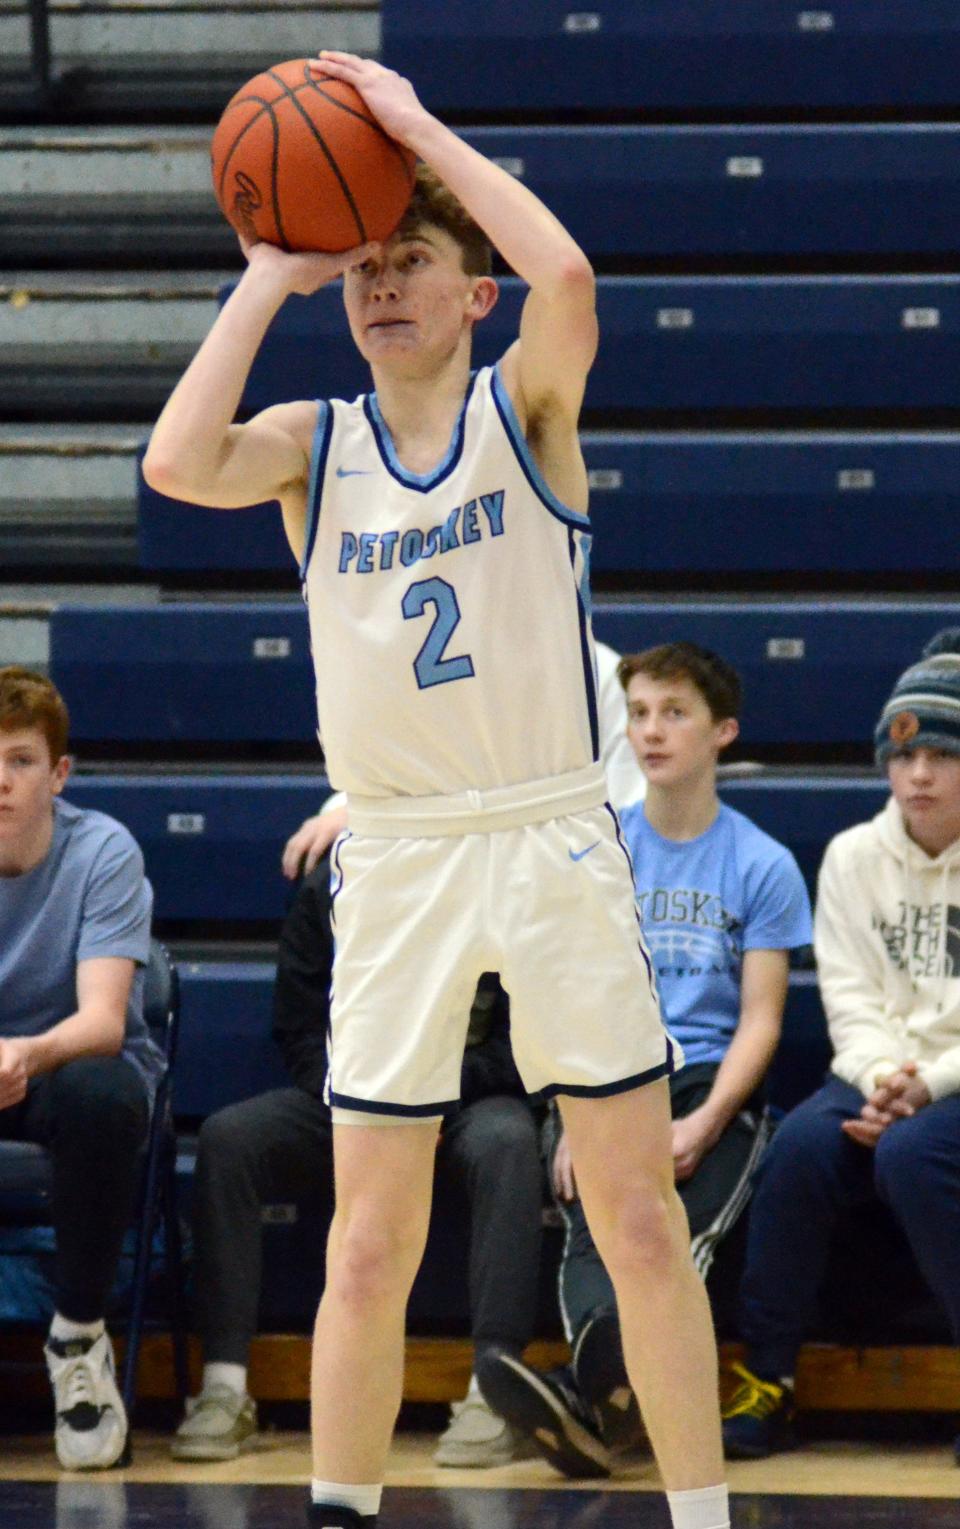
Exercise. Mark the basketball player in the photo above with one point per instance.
(441, 528)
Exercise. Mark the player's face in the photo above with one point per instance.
(672, 730)
(29, 781)
(926, 784)
(411, 304)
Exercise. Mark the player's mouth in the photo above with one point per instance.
(388, 324)
(656, 759)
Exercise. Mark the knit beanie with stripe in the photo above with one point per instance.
(924, 708)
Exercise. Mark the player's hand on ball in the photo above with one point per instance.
(390, 97)
(303, 273)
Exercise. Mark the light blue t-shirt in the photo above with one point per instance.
(88, 897)
(703, 902)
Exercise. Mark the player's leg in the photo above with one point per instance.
(383, 1176)
(622, 1158)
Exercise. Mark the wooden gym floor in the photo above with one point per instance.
(822, 1486)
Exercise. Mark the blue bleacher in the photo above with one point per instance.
(799, 344)
(682, 503)
(760, 191)
(226, 1051)
(191, 671)
(675, 55)
(211, 843)
(814, 671)
(806, 811)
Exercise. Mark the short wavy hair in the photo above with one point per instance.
(434, 203)
(29, 700)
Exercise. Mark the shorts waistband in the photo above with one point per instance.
(477, 812)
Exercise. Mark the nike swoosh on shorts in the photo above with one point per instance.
(579, 854)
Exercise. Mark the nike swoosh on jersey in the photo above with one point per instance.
(579, 853)
(354, 472)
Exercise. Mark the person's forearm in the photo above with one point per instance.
(188, 440)
(741, 1072)
(88, 1032)
(516, 222)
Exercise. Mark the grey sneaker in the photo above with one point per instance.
(91, 1426)
(218, 1423)
(475, 1436)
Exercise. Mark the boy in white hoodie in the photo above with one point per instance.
(887, 1122)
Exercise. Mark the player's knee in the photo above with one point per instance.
(644, 1240)
(371, 1264)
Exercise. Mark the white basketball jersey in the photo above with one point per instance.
(449, 612)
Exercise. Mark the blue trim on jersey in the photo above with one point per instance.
(422, 482)
(524, 455)
(589, 677)
(604, 1090)
(409, 1111)
(318, 463)
(633, 882)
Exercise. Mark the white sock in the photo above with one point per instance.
(340, 1494)
(220, 1374)
(703, 1508)
(66, 1331)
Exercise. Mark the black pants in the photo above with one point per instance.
(278, 1146)
(713, 1198)
(92, 1114)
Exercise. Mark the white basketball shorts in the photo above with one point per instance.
(431, 892)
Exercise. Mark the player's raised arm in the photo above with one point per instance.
(558, 336)
(196, 452)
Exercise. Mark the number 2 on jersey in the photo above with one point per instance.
(430, 666)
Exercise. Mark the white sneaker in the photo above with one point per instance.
(91, 1428)
(218, 1424)
(476, 1437)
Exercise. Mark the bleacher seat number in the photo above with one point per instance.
(582, 21)
(186, 823)
(271, 647)
(674, 318)
(513, 165)
(856, 478)
(920, 318)
(786, 648)
(815, 21)
(605, 479)
(744, 166)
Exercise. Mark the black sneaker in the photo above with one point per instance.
(600, 1375)
(321, 1515)
(757, 1418)
(547, 1408)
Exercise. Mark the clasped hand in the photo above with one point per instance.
(896, 1097)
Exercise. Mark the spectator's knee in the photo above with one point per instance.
(102, 1098)
(897, 1166)
(225, 1136)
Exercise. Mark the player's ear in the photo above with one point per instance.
(483, 297)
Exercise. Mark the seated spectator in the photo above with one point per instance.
(886, 1124)
(722, 906)
(275, 1148)
(77, 1066)
(625, 781)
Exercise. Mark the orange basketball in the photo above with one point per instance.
(301, 162)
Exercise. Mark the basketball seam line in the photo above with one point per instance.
(370, 122)
(267, 111)
(321, 142)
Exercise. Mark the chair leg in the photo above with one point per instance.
(173, 1245)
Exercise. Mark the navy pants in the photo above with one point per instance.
(93, 1115)
(811, 1176)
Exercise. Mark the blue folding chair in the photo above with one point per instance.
(26, 1186)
